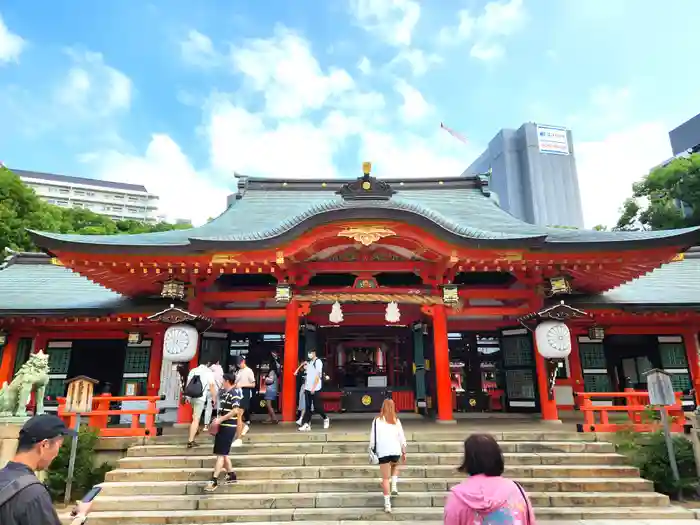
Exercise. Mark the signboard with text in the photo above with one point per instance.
(552, 139)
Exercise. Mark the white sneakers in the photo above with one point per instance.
(246, 429)
(387, 504)
(237, 443)
(307, 427)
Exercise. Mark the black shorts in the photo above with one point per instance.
(247, 395)
(389, 459)
(223, 440)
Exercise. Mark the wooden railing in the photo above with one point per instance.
(98, 418)
(636, 404)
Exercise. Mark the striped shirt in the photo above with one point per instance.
(228, 400)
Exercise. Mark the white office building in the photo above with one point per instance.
(117, 200)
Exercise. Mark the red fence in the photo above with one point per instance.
(99, 416)
(636, 403)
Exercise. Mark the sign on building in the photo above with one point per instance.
(552, 139)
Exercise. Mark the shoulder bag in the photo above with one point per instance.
(373, 458)
(527, 506)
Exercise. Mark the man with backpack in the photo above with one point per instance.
(200, 392)
(24, 500)
(312, 388)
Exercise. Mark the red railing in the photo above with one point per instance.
(99, 416)
(636, 404)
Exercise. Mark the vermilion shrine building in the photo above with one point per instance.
(276, 272)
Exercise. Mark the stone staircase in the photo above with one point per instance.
(324, 477)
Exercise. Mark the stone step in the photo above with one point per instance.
(368, 471)
(263, 435)
(454, 447)
(332, 500)
(310, 460)
(368, 514)
(286, 486)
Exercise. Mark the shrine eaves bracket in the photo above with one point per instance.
(366, 187)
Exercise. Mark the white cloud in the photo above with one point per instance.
(11, 44)
(418, 60)
(414, 107)
(285, 70)
(499, 19)
(391, 20)
(406, 155)
(365, 66)
(164, 170)
(198, 50)
(607, 167)
(461, 32)
(92, 89)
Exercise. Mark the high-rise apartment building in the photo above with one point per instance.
(117, 200)
(533, 172)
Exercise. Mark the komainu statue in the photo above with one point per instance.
(33, 376)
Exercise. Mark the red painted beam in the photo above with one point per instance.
(241, 296)
(277, 313)
(496, 293)
(369, 266)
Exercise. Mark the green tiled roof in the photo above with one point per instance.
(265, 212)
(31, 283)
(675, 284)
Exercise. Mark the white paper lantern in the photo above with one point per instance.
(180, 343)
(553, 340)
(393, 314)
(336, 316)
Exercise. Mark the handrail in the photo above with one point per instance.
(636, 403)
(98, 417)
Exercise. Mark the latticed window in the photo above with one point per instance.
(137, 360)
(59, 359)
(673, 355)
(520, 384)
(592, 355)
(517, 351)
(597, 383)
(681, 382)
(24, 348)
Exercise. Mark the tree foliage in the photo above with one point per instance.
(21, 210)
(667, 197)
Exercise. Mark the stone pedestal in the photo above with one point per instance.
(9, 434)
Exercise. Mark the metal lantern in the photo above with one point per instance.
(560, 285)
(450, 294)
(283, 293)
(134, 338)
(173, 289)
(3, 338)
(596, 333)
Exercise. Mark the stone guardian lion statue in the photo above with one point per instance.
(32, 376)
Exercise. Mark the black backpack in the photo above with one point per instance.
(194, 388)
(16, 486)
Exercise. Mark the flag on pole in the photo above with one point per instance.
(453, 133)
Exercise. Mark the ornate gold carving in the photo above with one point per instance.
(678, 257)
(366, 235)
(221, 258)
(510, 256)
(279, 257)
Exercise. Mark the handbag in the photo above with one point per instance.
(373, 458)
(214, 428)
(527, 506)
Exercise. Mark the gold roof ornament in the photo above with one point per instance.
(366, 235)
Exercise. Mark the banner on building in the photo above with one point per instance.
(552, 139)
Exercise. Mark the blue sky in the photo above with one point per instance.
(179, 95)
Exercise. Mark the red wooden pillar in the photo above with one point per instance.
(442, 364)
(290, 360)
(548, 406)
(9, 354)
(156, 363)
(692, 348)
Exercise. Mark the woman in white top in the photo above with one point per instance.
(388, 442)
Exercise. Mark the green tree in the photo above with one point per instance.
(667, 197)
(21, 210)
(600, 228)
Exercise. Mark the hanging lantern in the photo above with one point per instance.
(596, 333)
(134, 338)
(336, 316)
(393, 314)
(379, 358)
(560, 285)
(173, 289)
(3, 338)
(450, 295)
(283, 293)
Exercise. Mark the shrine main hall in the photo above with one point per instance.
(423, 290)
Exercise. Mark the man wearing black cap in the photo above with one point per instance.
(24, 500)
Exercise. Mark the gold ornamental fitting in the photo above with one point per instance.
(366, 168)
